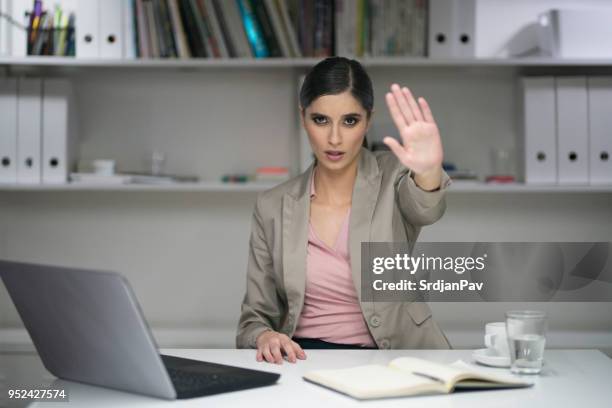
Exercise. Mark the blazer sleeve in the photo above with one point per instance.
(418, 206)
(260, 310)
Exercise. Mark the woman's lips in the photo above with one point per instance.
(334, 155)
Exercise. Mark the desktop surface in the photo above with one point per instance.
(568, 378)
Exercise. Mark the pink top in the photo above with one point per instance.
(331, 309)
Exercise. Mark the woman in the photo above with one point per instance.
(303, 279)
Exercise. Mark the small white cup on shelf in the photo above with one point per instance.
(103, 167)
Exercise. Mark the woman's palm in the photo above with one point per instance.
(421, 148)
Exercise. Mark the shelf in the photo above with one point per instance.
(211, 186)
(479, 187)
(194, 63)
(207, 186)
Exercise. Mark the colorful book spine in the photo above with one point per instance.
(252, 29)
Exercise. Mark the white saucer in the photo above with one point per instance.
(488, 357)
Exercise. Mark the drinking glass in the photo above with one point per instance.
(526, 330)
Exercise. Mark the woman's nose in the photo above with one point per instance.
(335, 138)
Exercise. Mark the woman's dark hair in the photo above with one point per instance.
(335, 75)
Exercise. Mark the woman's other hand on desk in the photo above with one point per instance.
(421, 148)
(272, 345)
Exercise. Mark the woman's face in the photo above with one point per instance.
(336, 126)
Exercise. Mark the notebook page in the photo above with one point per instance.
(445, 373)
(371, 381)
(496, 377)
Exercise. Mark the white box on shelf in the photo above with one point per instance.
(576, 33)
(538, 116)
(58, 131)
(600, 129)
(572, 130)
(5, 28)
(8, 132)
(20, 12)
(29, 103)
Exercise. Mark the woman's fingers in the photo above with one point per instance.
(394, 145)
(298, 351)
(396, 114)
(288, 347)
(267, 354)
(276, 353)
(414, 107)
(272, 348)
(426, 111)
(403, 103)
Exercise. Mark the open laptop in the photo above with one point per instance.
(87, 326)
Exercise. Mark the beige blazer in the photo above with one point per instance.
(387, 206)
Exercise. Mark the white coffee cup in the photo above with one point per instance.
(496, 339)
(103, 167)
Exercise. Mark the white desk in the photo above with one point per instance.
(580, 378)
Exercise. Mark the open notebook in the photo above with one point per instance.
(407, 376)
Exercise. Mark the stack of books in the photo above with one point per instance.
(128, 29)
(279, 28)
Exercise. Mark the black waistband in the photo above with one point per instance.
(321, 344)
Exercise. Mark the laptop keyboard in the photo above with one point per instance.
(188, 381)
(193, 378)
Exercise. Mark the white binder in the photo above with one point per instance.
(600, 129)
(5, 29)
(572, 130)
(58, 131)
(8, 132)
(29, 130)
(573, 33)
(110, 26)
(129, 44)
(452, 28)
(20, 12)
(87, 29)
(539, 129)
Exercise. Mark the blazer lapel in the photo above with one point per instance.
(295, 218)
(365, 196)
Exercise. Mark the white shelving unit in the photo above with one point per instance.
(68, 65)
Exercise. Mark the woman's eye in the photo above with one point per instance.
(319, 120)
(351, 121)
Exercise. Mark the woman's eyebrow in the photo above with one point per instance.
(345, 115)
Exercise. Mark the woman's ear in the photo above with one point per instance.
(301, 113)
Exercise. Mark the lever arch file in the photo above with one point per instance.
(87, 29)
(29, 130)
(110, 28)
(600, 129)
(539, 130)
(8, 133)
(572, 130)
(58, 131)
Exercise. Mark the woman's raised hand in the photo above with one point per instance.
(421, 148)
(272, 345)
